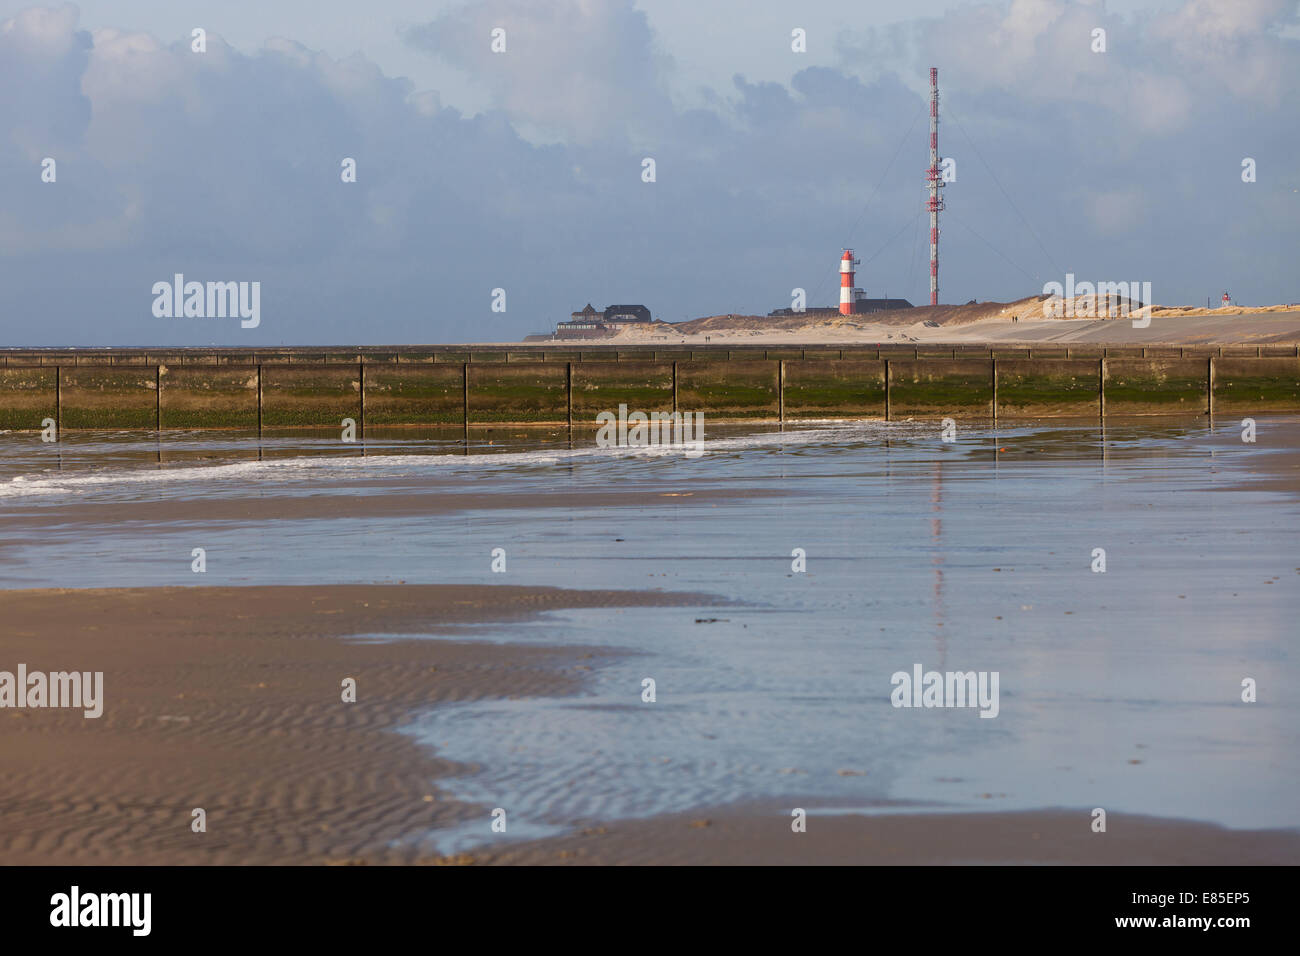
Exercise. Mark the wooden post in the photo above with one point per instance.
(1209, 389)
(1101, 388)
(888, 373)
(780, 390)
(995, 389)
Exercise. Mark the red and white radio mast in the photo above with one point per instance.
(935, 181)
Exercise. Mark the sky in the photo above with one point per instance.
(516, 180)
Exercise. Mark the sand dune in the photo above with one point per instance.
(1021, 321)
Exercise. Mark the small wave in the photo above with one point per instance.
(283, 471)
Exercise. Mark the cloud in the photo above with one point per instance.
(42, 55)
(1152, 73)
(582, 70)
(226, 165)
(1234, 44)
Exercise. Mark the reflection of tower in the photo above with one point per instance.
(847, 262)
(936, 560)
(934, 180)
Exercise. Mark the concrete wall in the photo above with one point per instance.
(408, 388)
(310, 396)
(1156, 386)
(536, 392)
(1048, 387)
(27, 397)
(733, 389)
(415, 394)
(938, 388)
(1256, 385)
(99, 397)
(834, 388)
(198, 396)
(645, 386)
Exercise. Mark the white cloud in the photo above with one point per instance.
(227, 164)
(580, 70)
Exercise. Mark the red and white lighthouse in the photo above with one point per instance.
(847, 262)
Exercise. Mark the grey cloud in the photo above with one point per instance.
(226, 166)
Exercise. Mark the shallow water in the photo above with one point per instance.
(1119, 690)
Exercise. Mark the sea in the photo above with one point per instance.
(1133, 587)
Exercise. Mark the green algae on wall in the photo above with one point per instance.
(27, 397)
(834, 388)
(1067, 387)
(1257, 385)
(729, 389)
(929, 388)
(222, 396)
(1156, 386)
(602, 387)
(523, 392)
(97, 397)
(429, 394)
(310, 396)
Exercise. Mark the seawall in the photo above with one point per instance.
(267, 389)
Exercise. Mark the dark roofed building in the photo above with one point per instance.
(590, 324)
(861, 306)
(879, 305)
(622, 314)
(815, 310)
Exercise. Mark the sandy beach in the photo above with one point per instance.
(229, 700)
(749, 837)
(241, 715)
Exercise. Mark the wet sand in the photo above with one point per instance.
(324, 502)
(751, 838)
(229, 699)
